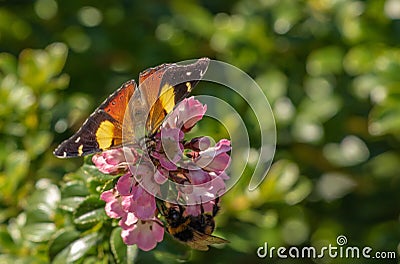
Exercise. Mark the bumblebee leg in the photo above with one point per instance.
(215, 207)
(161, 207)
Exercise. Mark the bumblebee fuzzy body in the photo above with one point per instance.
(194, 231)
(181, 227)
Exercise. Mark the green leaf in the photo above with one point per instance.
(95, 175)
(62, 239)
(37, 143)
(46, 194)
(8, 63)
(32, 67)
(91, 218)
(97, 181)
(360, 59)
(120, 249)
(70, 204)
(74, 188)
(327, 60)
(58, 53)
(38, 214)
(6, 242)
(17, 167)
(8, 258)
(385, 119)
(109, 184)
(281, 180)
(39, 232)
(301, 190)
(90, 212)
(38, 67)
(170, 250)
(78, 175)
(385, 165)
(60, 82)
(77, 249)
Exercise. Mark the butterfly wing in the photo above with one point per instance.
(161, 88)
(167, 87)
(149, 87)
(103, 129)
(201, 241)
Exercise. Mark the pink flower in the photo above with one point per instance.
(186, 114)
(222, 175)
(125, 184)
(199, 143)
(203, 193)
(196, 209)
(165, 162)
(148, 177)
(196, 168)
(141, 203)
(137, 200)
(113, 201)
(215, 159)
(113, 161)
(193, 209)
(169, 148)
(198, 176)
(171, 143)
(128, 220)
(145, 234)
(161, 176)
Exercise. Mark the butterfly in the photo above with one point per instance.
(160, 89)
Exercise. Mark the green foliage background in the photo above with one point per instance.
(330, 69)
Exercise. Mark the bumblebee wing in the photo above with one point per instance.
(201, 241)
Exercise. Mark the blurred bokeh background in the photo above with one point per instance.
(331, 72)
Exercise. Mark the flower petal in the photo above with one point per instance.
(145, 234)
(113, 208)
(125, 184)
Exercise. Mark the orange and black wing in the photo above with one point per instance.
(162, 87)
(201, 241)
(103, 129)
(166, 85)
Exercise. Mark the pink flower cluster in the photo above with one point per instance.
(192, 171)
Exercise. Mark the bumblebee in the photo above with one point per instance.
(194, 231)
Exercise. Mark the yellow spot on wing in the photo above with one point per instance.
(189, 86)
(105, 134)
(167, 98)
(80, 150)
